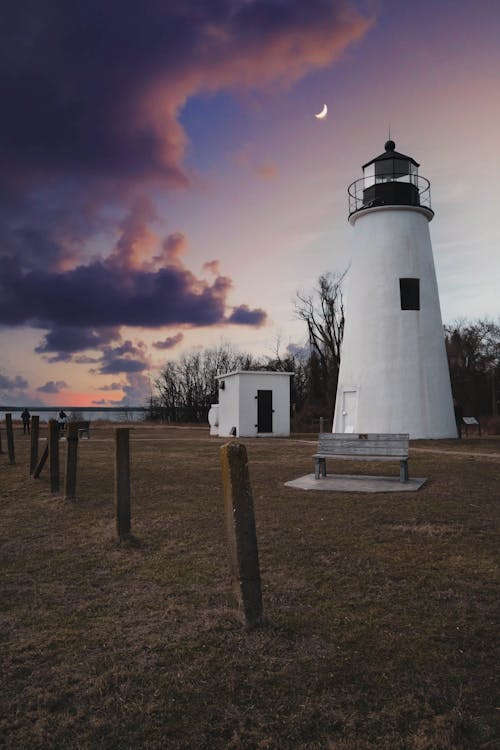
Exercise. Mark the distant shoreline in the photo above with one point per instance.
(8, 409)
(46, 413)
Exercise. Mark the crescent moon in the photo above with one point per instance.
(321, 115)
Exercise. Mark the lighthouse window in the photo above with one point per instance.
(410, 294)
(369, 175)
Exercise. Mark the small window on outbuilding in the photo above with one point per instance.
(410, 294)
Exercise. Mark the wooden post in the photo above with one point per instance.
(241, 532)
(54, 455)
(71, 461)
(10, 438)
(1, 451)
(35, 426)
(321, 424)
(122, 481)
(42, 462)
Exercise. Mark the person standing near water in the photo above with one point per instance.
(26, 416)
(62, 420)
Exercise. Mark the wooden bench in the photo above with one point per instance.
(84, 428)
(362, 447)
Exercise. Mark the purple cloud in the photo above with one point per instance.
(53, 386)
(94, 92)
(70, 338)
(100, 296)
(11, 384)
(243, 315)
(136, 390)
(94, 89)
(111, 387)
(169, 342)
(103, 295)
(120, 364)
(125, 358)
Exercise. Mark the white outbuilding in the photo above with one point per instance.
(252, 403)
(394, 375)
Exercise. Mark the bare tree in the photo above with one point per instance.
(187, 387)
(294, 360)
(323, 313)
(167, 387)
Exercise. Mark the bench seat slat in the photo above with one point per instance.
(365, 450)
(349, 436)
(369, 450)
(355, 440)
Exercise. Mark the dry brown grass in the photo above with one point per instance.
(382, 610)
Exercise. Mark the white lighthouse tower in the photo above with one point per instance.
(394, 373)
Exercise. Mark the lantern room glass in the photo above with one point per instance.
(390, 170)
(369, 175)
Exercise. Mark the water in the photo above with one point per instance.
(113, 415)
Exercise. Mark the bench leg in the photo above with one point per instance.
(403, 470)
(319, 468)
(316, 468)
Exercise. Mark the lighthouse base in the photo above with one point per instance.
(395, 408)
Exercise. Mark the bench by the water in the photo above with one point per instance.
(362, 447)
(84, 429)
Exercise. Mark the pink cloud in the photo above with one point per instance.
(172, 251)
(267, 170)
(136, 239)
(212, 266)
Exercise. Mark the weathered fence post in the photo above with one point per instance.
(71, 461)
(54, 455)
(42, 462)
(122, 481)
(10, 438)
(242, 536)
(35, 426)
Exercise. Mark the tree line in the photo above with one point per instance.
(473, 349)
(187, 387)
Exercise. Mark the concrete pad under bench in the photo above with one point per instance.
(356, 483)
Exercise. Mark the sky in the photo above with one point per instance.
(166, 187)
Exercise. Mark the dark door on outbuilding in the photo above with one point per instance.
(264, 411)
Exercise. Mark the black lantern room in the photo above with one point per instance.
(390, 179)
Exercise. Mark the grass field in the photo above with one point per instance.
(382, 610)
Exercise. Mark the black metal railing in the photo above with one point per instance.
(369, 192)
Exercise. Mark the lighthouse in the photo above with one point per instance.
(394, 375)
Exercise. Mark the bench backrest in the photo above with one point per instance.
(82, 425)
(367, 444)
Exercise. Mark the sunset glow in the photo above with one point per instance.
(166, 185)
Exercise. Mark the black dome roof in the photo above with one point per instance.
(390, 153)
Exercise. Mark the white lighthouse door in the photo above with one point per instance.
(349, 407)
